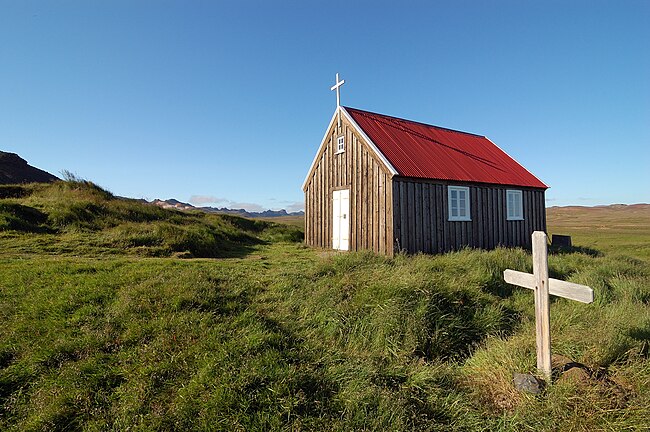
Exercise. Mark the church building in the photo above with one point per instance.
(388, 184)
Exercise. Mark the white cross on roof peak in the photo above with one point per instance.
(337, 87)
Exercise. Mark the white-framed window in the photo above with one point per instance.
(514, 205)
(340, 144)
(458, 198)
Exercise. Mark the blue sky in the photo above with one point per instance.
(224, 103)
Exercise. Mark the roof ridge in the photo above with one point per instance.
(414, 121)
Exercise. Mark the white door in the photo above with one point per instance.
(341, 219)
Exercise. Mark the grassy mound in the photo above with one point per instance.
(79, 217)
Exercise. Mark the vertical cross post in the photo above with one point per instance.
(542, 310)
(542, 285)
(337, 87)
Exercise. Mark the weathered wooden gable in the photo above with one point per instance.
(360, 170)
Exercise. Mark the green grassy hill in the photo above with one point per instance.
(77, 217)
(105, 328)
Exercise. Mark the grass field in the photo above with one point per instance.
(120, 316)
(297, 221)
(619, 229)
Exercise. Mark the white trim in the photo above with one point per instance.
(340, 140)
(322, 143)
(468, 208)
(526, 169)
(341, 219)
(520, 209)
(371, 144)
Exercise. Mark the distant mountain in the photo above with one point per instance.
(178, 205)
(14, 169)
(173, 204)
(632, 207)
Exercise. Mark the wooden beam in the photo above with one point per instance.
(556, 287)
(542, 311)
(543, 286)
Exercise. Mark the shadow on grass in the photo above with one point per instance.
(305, 383)
(13, 191)
(641, 335)
(497, 286)
(184, 241)
(563, 250)
(630, 343)
(22, 218)
(457, 322)
(215, 298)
(220, 247)
(13, 378)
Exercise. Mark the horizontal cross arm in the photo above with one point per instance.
(569, 290)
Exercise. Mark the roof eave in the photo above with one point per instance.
(469, 182)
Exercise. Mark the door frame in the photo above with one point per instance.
(336, 224)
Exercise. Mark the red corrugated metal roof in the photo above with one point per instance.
(424, 151)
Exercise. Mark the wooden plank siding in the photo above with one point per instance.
(391, 213)
(421, 224)
(371, 194)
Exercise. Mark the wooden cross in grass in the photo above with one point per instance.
(543, 286)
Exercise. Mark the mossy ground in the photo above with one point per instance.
(103, 332)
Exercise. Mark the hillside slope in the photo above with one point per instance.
(78, 217)
(14, 169)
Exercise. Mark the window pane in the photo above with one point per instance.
(458, 202)
(515, 205)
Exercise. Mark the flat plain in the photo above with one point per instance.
(616, 229)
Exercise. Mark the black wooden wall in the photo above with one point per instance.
(420, 217)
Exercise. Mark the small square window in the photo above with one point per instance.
(458, 197)
(340, 144)
(514, 205)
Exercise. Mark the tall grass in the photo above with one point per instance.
(103, 330)
(286, 340)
